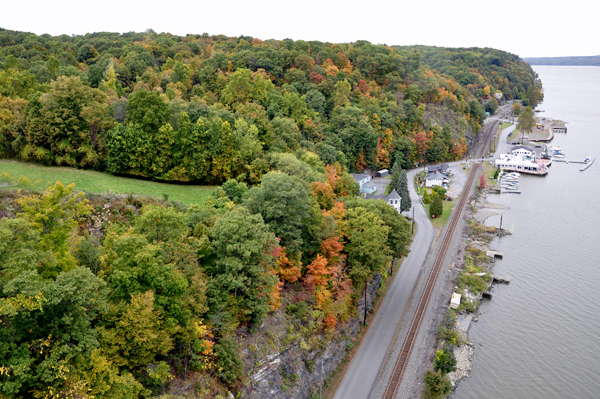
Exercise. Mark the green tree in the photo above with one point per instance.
(437, 207)
(55, 214)
(40, 345)
(148, 110)
(406, 203)
(398, 236)
(367, 250)
(242, 281)
(229, 362)
(284, 204)
(136, 336)
(161, 224)
(64, 124)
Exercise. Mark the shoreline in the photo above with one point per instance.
(464, 319)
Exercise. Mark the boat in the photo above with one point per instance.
(587, 159)
(558, 154)
(554, 148)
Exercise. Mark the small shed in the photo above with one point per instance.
(455, 301)
(368, 188)
(382, 173)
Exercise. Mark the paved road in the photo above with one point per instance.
(370, 358)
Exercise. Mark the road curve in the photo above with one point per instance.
(370, 357)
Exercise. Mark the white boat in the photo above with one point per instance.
(554, 148)
(587, 159)
(558, 155)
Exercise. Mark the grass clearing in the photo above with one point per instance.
(101, 183)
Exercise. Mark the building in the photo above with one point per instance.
(364, 181)
(438, 175)
(395, 200)
(522, 151)
(515, 163)
(382, 173)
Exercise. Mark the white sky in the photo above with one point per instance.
(524, 27)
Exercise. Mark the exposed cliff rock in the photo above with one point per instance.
(293, 371)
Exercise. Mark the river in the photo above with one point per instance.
(539, 337)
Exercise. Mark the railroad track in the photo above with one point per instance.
(394, 383)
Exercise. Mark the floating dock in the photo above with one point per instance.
(510, 191)
(587, 164)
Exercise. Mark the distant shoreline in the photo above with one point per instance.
(593, 60)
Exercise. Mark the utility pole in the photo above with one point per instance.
(500, 221)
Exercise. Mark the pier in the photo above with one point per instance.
(587, 164)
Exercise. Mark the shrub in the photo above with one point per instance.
(445, 361)
(436, 385)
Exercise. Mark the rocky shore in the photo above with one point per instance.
(479, 238)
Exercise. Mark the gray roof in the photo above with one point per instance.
(436, 176)
(358, 177)
(394, 195)
(431, 168)
(369, 184)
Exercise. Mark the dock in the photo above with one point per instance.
(510, 191)
(588, 165)
(501, 279)
(494, 254)
(569, 161)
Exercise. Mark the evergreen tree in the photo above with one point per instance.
(426, 197)
(394, 180)
(437, 207)
(406, 203)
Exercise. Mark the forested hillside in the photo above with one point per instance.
(209, 108)
(483, 71)
(121, 297)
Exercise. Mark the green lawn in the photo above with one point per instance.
(100, 183)
(505, 125)
(440, 222)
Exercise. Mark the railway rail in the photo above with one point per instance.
(400, 366)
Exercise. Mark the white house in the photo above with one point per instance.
(364, 181)
(395, 200)
(437, 175)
